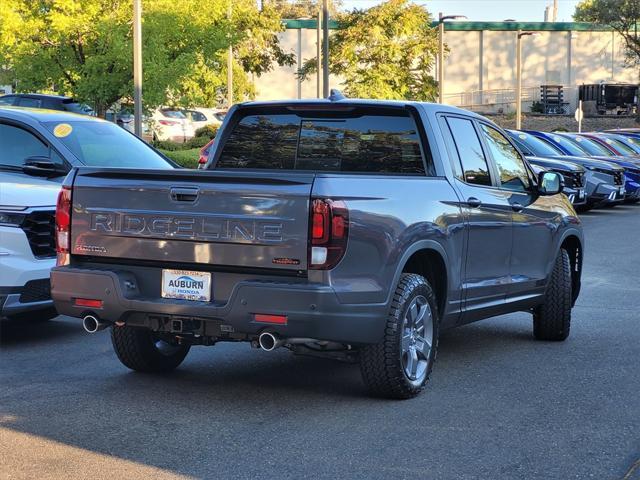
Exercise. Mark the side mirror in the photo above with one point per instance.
(41, 166)
(550, 183)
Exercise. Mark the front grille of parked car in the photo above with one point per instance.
(36, 291)
(573, 179)
(619, 178)
(40, 230)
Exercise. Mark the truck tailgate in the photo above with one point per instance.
(247, 219)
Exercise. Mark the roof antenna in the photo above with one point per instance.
(336, 95)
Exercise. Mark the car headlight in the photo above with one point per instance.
(11, 219)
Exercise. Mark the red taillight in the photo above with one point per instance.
(329, 225)
(88, 302)
(204, 153)
(168, 122)
(320, 222)
(274, 319)
(63, 225)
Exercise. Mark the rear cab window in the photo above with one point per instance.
(354, 139)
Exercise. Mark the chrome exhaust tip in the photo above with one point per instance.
(92, 324)
(268, 341)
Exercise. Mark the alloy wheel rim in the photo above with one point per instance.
(417, 339)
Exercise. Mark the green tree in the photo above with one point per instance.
(621, 15)
(85, 48)
(292, 9)
(386, 51)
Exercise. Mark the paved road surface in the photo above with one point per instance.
(500, 405)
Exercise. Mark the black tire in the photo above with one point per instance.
(384, 365)
(143, 351)
(552, 320)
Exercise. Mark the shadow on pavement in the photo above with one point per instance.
(16, 333)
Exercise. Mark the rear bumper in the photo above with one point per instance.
(33, 297)
(312, 311)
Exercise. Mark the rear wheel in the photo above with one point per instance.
(145, 351)
(399, 366)
(552, 320)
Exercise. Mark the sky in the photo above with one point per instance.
(487, 10)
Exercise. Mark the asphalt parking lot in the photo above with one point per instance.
(500, 405)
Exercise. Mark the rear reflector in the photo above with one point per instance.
(276, 319)
(88, 302)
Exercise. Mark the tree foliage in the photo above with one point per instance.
(84, 48)
(386, 51)
(292, 9)
(621, 15)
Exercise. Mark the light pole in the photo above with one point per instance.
(325, 48)
(229, 63)
(519, 76)
(441, 20)
(137, 68)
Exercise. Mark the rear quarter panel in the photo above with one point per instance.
(391, 217)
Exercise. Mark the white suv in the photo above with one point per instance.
(27, 249)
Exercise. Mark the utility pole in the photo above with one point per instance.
(229, 63)
(440, 58)
(441, 20)
(137, 67)
(325, 48)
(519, 76)
(319, 53)
(519, 81)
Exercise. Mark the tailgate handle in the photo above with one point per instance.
(184, 194)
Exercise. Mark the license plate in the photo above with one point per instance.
(580, 193)
(622, 191)
(186, 285)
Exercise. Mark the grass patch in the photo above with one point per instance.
(185, 158)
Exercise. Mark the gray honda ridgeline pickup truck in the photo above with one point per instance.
(346, 228)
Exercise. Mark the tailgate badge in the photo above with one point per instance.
(286, 261)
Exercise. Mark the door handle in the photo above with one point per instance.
(474, 202)
(517, 207)
(184, 194)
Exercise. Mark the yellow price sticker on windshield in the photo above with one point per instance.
(62, 130)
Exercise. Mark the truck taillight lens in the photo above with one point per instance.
(329, 229)
(63, 226)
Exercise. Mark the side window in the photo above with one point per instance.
(511, 167)
(472, 158)
(29, 102)
(7, 100)
(50, 104)
(197, 116)
(16, 145)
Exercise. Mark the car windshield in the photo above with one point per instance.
(622, 147)
(538, 147)
(104, 144)
(79, 108)
(572, 147)
(173, 114)
(592, 147)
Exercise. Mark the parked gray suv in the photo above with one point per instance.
(343, 228)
